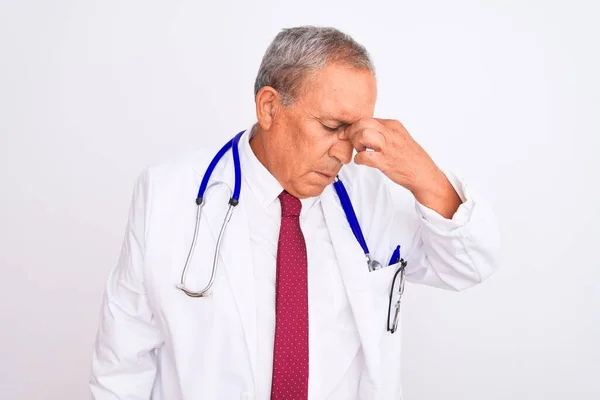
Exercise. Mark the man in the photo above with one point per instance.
(291, 283)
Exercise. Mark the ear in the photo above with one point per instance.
(268, 104)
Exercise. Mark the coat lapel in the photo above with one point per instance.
(235, 255)
(354, 273)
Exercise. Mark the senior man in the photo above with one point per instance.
(299, 302)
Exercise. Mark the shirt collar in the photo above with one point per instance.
(261, 182)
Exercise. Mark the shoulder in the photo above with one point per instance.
(159, 184)
(182, 167)
(190, 162)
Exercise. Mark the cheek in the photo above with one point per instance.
(311, 148)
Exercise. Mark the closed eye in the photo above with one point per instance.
(332, 129)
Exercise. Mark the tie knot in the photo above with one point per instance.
(290, 205)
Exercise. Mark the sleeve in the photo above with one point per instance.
(124, 357)
(455, 253)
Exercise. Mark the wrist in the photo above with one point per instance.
(437, 193)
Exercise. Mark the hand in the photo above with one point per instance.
(403, 160)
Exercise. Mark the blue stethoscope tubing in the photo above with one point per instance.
(233, 145)
(233, 201)
(340, 189)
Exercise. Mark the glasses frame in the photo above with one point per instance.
(400, 272)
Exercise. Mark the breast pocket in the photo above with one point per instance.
(380, 284)
(381, 279)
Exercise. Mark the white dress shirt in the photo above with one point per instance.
(334, 345)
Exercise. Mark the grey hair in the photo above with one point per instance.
(295, 53)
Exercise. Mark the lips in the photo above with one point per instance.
(329, 175)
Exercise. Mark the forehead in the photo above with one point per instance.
(341, 92)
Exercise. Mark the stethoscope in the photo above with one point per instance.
(340, 189)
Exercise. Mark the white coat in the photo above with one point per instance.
(155, 342)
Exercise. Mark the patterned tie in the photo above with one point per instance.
(290, 356)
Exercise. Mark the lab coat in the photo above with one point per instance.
(155, 342)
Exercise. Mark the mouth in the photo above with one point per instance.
(327, 176)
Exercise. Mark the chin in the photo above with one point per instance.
(312, 185)
(311, 190)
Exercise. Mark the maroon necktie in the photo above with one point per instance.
(290, 356)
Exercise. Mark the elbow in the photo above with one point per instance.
(473, 275)
(480, 262)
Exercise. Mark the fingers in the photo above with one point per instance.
(370, 158)
(368, 139)
(394, 152)
(365, 134)
(361, 124)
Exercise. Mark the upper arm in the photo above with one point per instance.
(124, 358)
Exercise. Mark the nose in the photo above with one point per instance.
(342, 150)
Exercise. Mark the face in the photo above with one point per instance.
(304, 150)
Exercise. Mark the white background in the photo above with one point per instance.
(506, 93)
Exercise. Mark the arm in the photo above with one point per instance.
(454, 252)
(124, 357)
(456, 241)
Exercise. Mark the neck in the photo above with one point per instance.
(260, 147)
